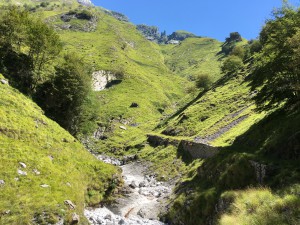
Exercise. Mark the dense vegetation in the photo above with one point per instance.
(240, 96)
(277, 64)
(58, 168)
(31, 60)
(252, 115)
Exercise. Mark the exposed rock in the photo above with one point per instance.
(129, 158)
(22, 164)
(122, 222)
(85, 2)
(142, 213)
(142, 184)
(108, 217)
(60, 222)
(117, 15)
(2, 182)
(36, 172)
(204, 118)
(222, 205)
(44, 185)
(70, 204)
(260, 171)
(4, 81)
(156, 194)
(101, 78)
(51, 157)
(75, 218)
(99, 133)
(151, 33)
(109, 160)
(23, 173)
(133, 185)
(142, 202)
(173, 42)
(123, 128)
(198, 150)
(180, 36)
(16, 178)
(134, 105)
(155, 141)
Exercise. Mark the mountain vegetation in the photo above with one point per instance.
(221, 119)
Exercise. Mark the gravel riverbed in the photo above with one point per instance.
(144, 198)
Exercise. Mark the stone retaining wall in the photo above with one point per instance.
(196, 150)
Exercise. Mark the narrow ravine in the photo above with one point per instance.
(144, 199)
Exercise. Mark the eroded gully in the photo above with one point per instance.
(144, 198)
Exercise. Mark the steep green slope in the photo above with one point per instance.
(38, 5)
(58, 168)
(227, 188)
(194, 56)
(217, 116)
(118, 47)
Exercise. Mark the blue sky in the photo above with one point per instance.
(202, 17)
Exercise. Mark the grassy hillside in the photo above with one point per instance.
(194, 56)
(58, 167)
(117, 46)
(218, 115)
(258, 148)
(33, 3)
(255, 180)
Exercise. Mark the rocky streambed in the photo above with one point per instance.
(144, 198)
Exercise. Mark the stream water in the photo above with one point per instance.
(144, 199)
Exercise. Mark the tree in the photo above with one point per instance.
(277, 64)
(64, 96)
(44, 45)
(203, 81)
(24, 36)
(238, 51)
(230, 42)
(234, 37)
(255, 46)
(231, 64)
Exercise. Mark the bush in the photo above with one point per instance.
(277, 63)
(238, 51)
(28, 46)
(255, 46)
(203, 81)
(231, 64)
(64, 96)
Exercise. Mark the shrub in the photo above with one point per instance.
(64, 96)
(231, 64)
(203, 81)
(238, 51)
(29, 41)
(255, 46)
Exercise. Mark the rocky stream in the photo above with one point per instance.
(144, 198)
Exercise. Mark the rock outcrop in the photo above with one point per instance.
(85, 2)
(101, 79)
(196, 150)
(260, 171)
